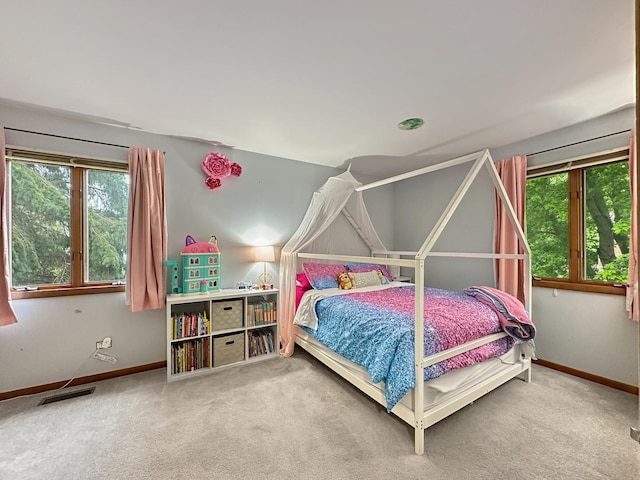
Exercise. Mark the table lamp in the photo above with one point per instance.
(265, 254)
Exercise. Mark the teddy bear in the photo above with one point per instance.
(345, 280)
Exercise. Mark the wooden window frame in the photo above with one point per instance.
(577, 248)
(78, 284)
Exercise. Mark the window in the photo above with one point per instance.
(68, 219)
(578, 217)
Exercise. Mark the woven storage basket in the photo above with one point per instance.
(228, 349)
(226, 315)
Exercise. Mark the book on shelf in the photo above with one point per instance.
(190, 355)
(190, 325)
(261, 313)
(260, 342)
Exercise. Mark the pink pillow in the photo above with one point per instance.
(323, 275)
(303, 282)
(299, 293)
(302, 285)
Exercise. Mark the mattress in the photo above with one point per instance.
(438, 390)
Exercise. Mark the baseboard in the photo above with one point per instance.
(588, 376)
(82, 380)
(152, 366)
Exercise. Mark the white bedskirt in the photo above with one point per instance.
(438, 390)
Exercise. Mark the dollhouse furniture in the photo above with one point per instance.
(200, 266)
(172, 273)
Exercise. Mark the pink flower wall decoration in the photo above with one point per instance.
(236, 170)
(218, 166)
(212, 183)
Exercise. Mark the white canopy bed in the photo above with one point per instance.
(428, 401)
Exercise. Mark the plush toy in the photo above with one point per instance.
(345, 280)
(383, 279)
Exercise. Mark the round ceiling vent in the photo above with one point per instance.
(411, 124)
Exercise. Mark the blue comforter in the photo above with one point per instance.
(375, 329)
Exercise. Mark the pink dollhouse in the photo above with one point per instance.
(200, 266)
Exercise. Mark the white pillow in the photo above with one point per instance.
(365, 279)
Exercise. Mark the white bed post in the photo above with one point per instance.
(495, 178)
(419, 287)
(418, 392)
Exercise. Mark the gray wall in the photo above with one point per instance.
(586, 331)
(54, 337)
(418, 204)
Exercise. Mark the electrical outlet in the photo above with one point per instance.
(106, 343)
(105, 358)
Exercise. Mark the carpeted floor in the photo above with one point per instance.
(295, 419)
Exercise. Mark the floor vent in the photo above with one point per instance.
(67, 395)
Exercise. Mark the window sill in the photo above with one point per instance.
(66, 291)
(590, 287)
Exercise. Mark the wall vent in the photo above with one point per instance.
(67, 395)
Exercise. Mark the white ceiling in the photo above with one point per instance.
(325, 81)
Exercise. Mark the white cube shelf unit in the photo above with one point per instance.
(214, 330)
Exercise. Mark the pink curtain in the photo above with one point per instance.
(146, 231)
(7, 315)
(632, 289)
(510, 272)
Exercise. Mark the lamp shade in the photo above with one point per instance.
(265, 254)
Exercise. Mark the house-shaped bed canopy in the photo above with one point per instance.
(342, 194)
(339, 195)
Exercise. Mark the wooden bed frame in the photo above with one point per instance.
(418, 417)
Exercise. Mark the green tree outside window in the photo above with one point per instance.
(599, 233)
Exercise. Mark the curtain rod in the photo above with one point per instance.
(66, 138)
(578, 143)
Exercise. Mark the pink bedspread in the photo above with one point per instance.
(513, 317)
